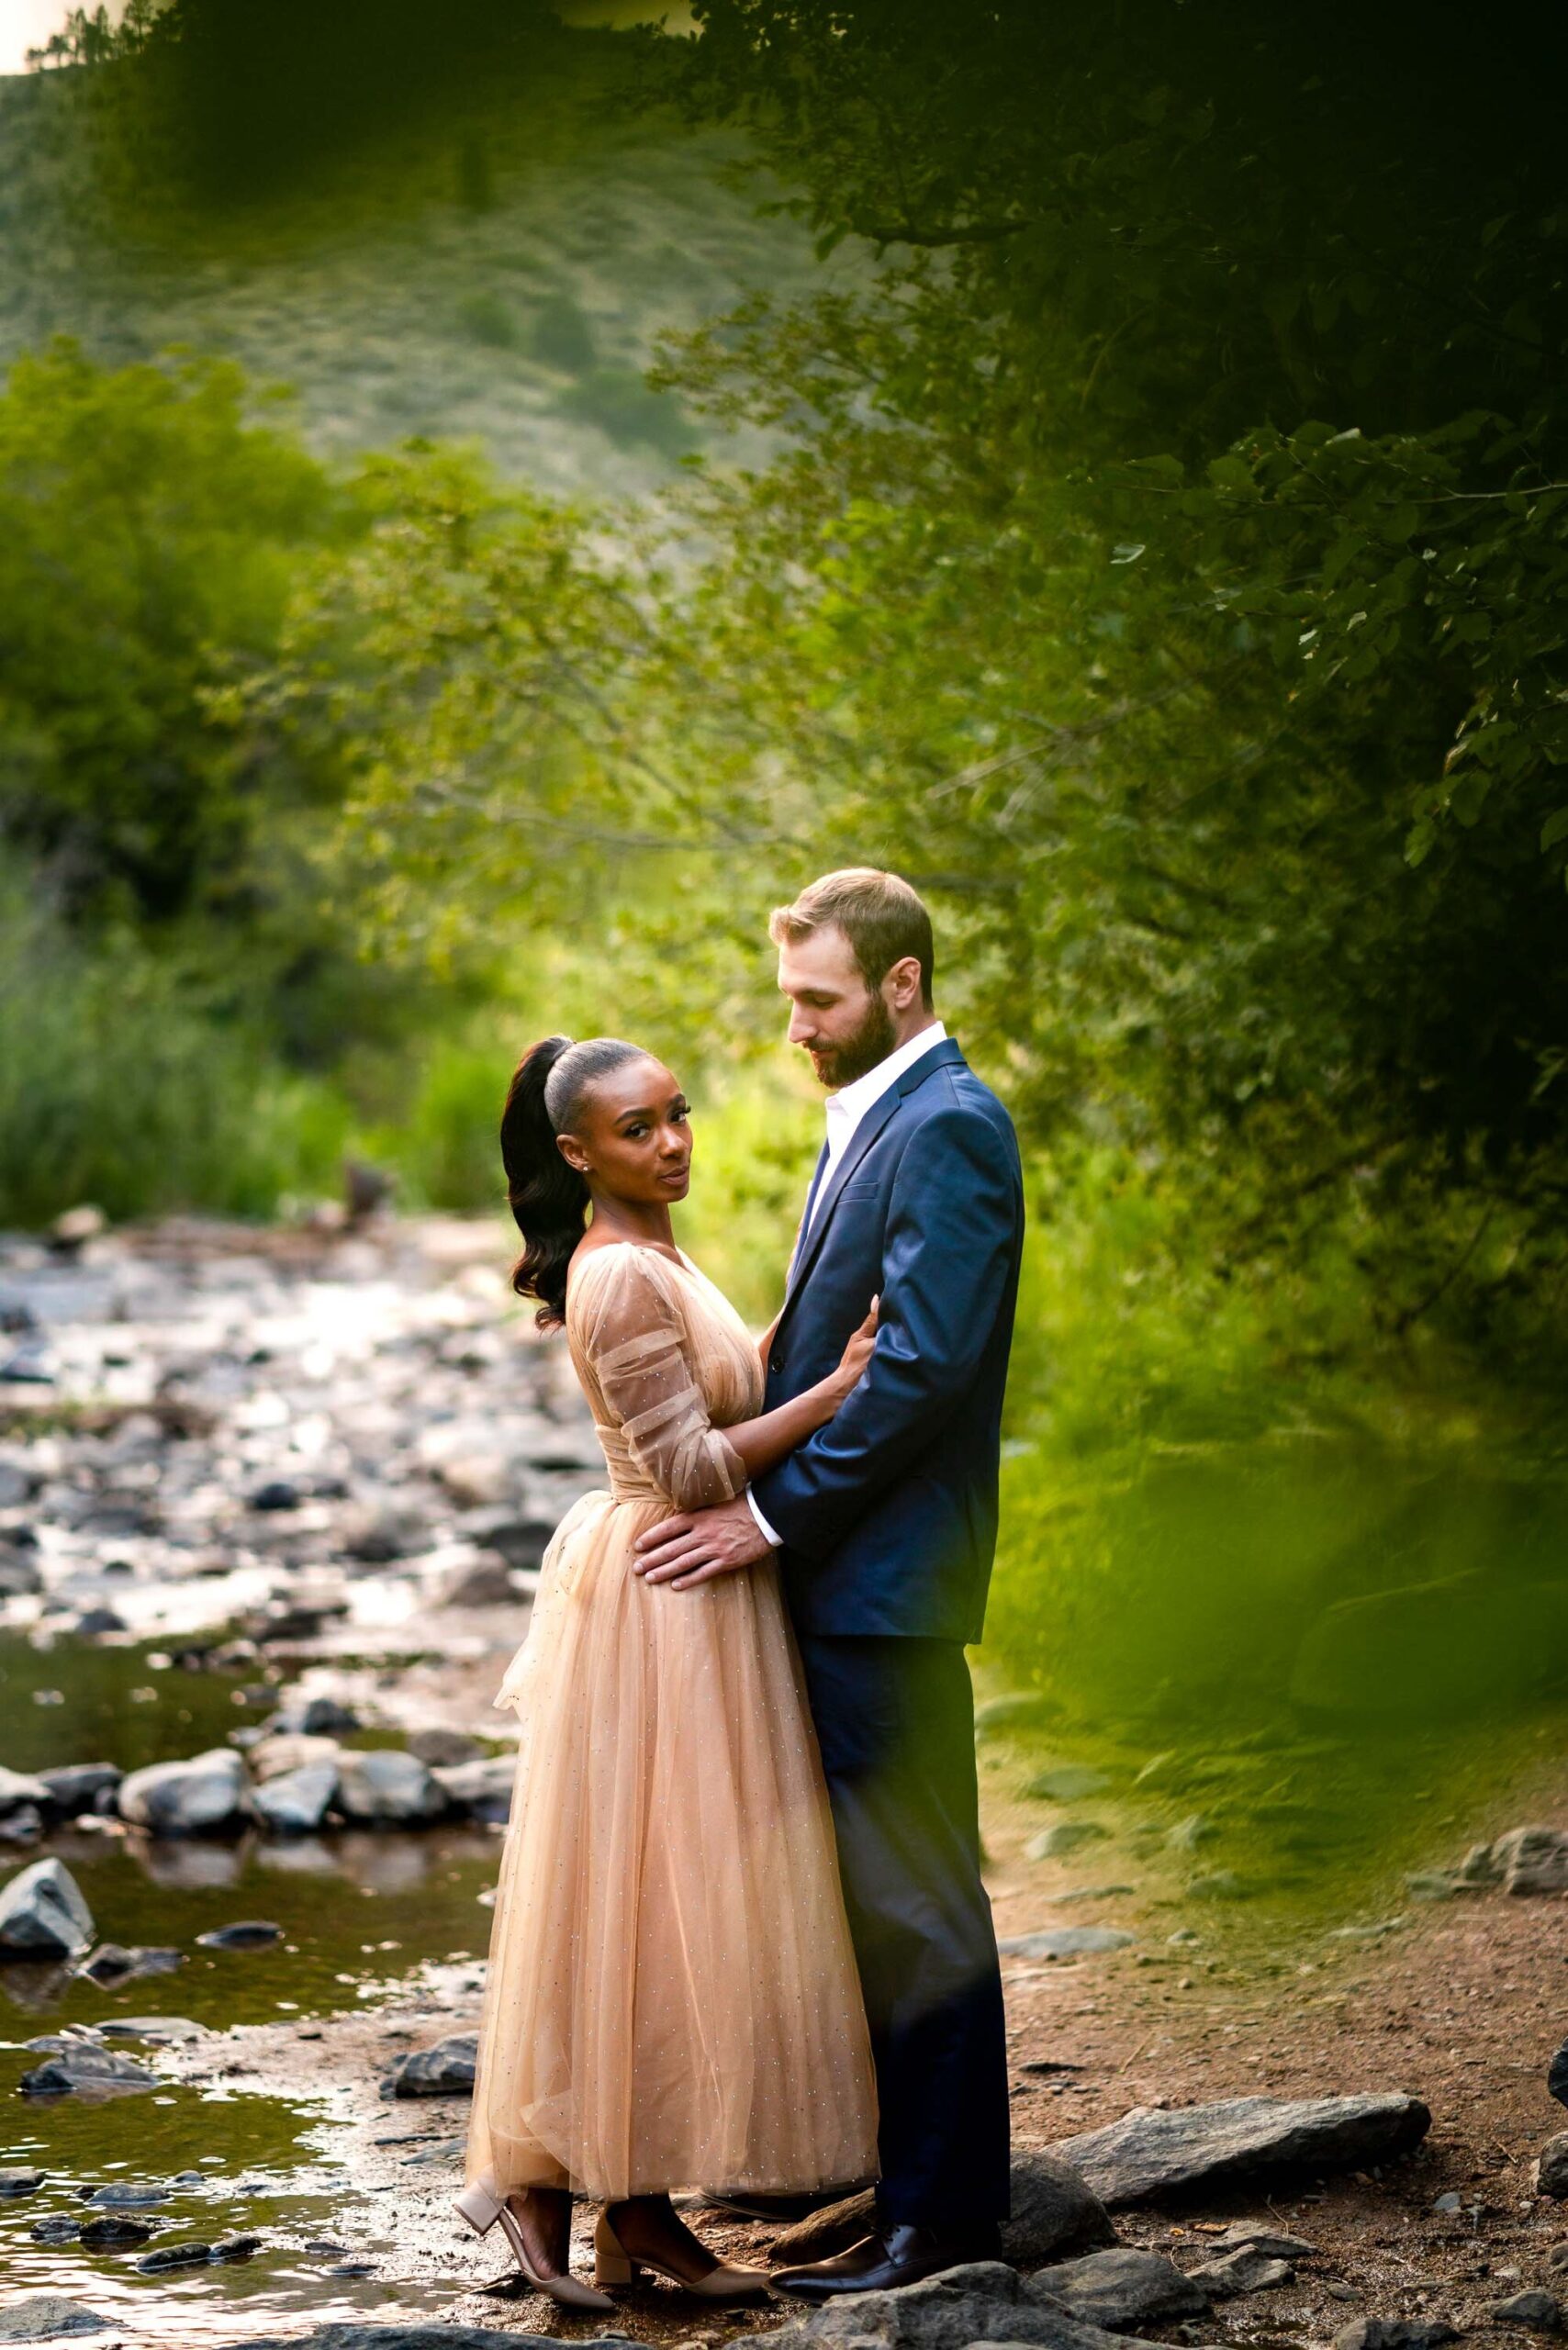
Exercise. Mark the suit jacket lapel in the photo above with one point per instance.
(817, 1174)
(860, 1142)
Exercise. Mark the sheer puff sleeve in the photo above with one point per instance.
(634, 1336)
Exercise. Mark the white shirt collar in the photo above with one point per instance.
(849, 1104)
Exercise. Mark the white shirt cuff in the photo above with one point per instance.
(762, 1523)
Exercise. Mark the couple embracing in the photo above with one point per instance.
(740, 1936)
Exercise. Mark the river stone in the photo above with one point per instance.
(444, 1748)
(1552, 2169)
(175, 2256)
(116, 1962)
(484, 1789)
(20, 1791)
(1272, 2242)
(125, 2195)
(296, 1802)
(20, 2181)
(97, 2072)
(1396, 2333)
(1123, 2287)
(1541, 2313)
(384, 1785)
(1053, 2212)
(112, 2233)
(285, 1751)
(353, 2336)
(76, 1787)
(43, 2317)
(245, 1933)
(1246, 2270)
(445, 2070)
(1532, 1860)
(1065, 1941)
(981, 2301)
(484, 1582)
(184, 1798)
(1151, 2149)
(43, 1914)
(55, 2227)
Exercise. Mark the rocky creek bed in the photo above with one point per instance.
(271, 1503)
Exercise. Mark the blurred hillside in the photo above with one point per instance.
(499, 274)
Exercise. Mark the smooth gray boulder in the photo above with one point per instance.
(17, 2180)
(114, 1963)
(1152, 2149)
(83, 2070)
(76, 1787)
(445, 2070)
(19, 1790)
(483, 1789)
(983, 2301)
(189, 1798)
(44, 2317)
(295, 1803)
(1538, 2313)
(1243, 2236)
(43, 1913)
(284, 1751)
(1065, 1941)
(1123, 2289)
(384, 1786)
(1246, 2270)
(1532, 1860)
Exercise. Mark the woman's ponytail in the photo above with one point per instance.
(548, 1198)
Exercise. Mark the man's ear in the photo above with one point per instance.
(903, 982)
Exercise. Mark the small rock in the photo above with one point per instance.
(382, 1785)
(295, 1803)
(74, 1227)
(125, 2195)
(1396, 2333)
(236, 2247)
(1539, 2313)
(19, 1790)
(318, 1716)
(276, 1493)
(1067, 1783)
(40, 2317)
(1551, 2169)
(277, 1754)
(445, 1749)
(1066, 1836)
(1122, 2288)
(246, 1933)
(185, 1798)
(1246, 2270)
(445, 2070)
(1340, 2292)
(94, 1620)
(484, 1789)
(43, 1914)
(118, 1962)
(20, 2181)
(485, 1581)
(1532, 1860)
(1153, 2148)
(1243, 2236)
(95, 2071)
(1450, 2202)
(175, 2256)
(1065, 1941)
(110, 2233)
(56, 2227)
(1432, 1884)
(78, 1787)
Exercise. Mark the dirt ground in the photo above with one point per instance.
(1461, 2006)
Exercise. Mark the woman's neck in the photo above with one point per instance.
(645, 1220)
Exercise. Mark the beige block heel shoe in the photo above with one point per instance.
(612, 2265)
(481, 2208)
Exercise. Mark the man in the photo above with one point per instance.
(885, 1522)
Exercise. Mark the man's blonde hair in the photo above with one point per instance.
(883, 919)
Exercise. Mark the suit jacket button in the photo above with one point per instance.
(775, 1361)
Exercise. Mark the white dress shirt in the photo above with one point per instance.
(845, 1111)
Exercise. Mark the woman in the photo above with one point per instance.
(672, 1995)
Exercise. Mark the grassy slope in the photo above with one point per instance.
(394, 304)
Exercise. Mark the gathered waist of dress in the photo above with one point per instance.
(627, 1482)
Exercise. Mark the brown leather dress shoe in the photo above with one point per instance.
(897, 2255)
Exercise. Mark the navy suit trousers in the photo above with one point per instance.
(895, 1723)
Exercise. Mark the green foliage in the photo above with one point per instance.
(489, 321)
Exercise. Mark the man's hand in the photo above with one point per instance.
(702, 1543)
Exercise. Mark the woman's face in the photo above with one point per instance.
(634, 1135)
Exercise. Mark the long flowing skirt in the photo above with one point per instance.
(672, 1998)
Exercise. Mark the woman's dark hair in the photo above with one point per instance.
(548, 1198)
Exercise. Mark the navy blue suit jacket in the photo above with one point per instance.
(888, 1515)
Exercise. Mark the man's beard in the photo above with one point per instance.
(870, 1043)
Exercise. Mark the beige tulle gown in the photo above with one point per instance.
(672, 1998)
